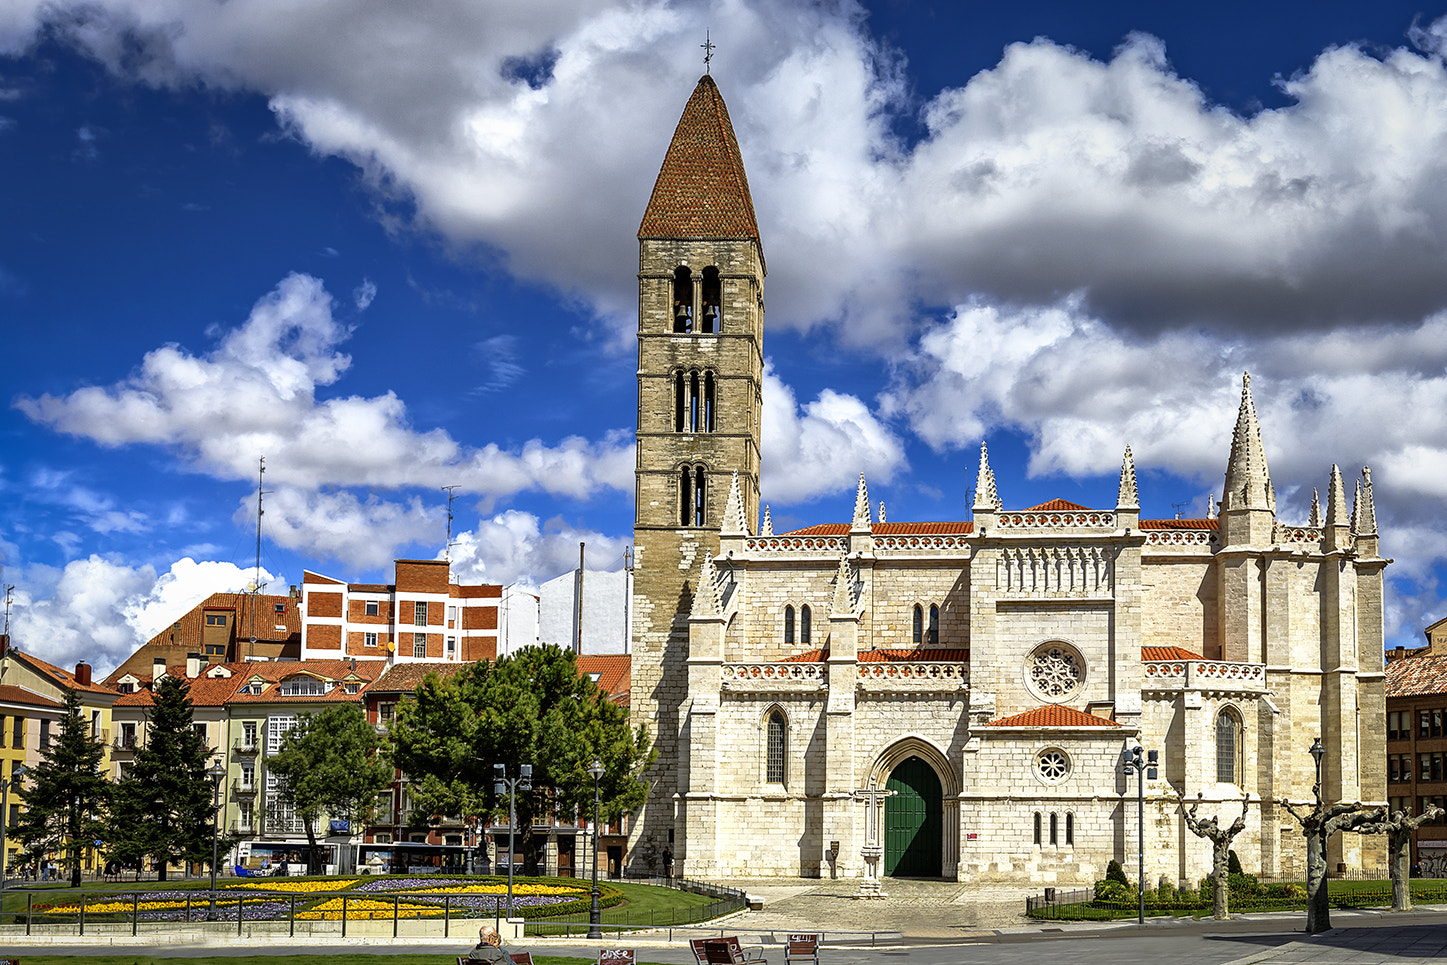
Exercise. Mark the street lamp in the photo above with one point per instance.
(15, 775)
(595, 930)
(1317, 753)
(502, 784)
(216, 773)
(1144, 768)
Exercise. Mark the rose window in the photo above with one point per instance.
(1052, 766)
(1055, 672)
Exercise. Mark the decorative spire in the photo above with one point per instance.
(844, 601)
(1367, 512)
(1336, 500)
(1248, 480)
(733, 518)
(1357, 507)
(1210, 505)
(705, 598)
(1315, 520)
(1127, 497)
(768, 529)
(881, 510)
(986, 496)
(861, 506)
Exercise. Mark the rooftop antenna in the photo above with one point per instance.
(708, 49)
(256, 584)
(1180, 507)
(447, 554)
(5, 653)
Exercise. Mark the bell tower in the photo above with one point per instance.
(700, 375)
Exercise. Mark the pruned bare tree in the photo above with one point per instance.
(1398, 828)
(1220, 838)
(1318, 825)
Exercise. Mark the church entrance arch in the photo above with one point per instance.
(913, 821)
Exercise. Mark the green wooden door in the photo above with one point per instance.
(913, 819)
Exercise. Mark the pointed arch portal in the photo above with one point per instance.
(913, 821)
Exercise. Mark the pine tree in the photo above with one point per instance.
(66, 793)
(163, 805)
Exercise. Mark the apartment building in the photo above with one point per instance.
(1417, 747)
(223, 628)
(420, 617)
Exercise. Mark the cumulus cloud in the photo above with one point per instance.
(256, 393)
(823, 446)
(99, 611)
(517, 547)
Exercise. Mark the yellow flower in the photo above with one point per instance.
(300, 887)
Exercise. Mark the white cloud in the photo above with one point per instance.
(361, 532)
(516, 547)
(822, 447)
(99, 611)
(256, 394)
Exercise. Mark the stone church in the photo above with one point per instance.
(954, 698)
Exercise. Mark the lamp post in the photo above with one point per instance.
(1317, 753)
(502, 784)
(1144, 768)
(595, 929)
(216, 773)
(15, 775)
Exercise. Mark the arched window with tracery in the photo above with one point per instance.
(918, 634)
(788, 624)
(692, 495)
(694, 401)
(712, 302)
(1228, 748)
(777, 730)
(682, 300)
(805, 619)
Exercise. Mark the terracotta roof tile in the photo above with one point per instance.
(911, 655)
(1053, 715)
(64, 678)
(403, 678)
(1168, 653)
(11, 694)
(1180, 524)
(1057, 506)
(940, 528)
(614, 671)
(701, 191)
(1417, 676)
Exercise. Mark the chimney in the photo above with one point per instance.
(4, 642)
(82, 674)
(294, 595)
(193, 666)
(158, 670)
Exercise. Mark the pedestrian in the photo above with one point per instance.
(489, 949)
(667, 863)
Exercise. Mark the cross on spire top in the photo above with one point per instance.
(708, 49)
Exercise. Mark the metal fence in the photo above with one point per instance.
(726, 901)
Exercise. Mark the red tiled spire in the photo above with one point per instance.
(701, 191)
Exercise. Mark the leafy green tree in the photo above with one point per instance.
(162, 807)
(330, 764)
(66, 793)
(531, 707)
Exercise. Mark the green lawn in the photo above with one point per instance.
(1344, 894)
(268, 960)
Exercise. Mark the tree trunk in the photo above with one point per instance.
(1318, 904)
(1221, 875)
(1399, 841)
(311, 850)
(161, 868)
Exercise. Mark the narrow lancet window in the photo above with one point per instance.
(680, 397)
(805, 619)
(708, 402)
(774, 769)
(700, 497)
(682, 300)
(1227, 748)
(918, 635)
(934, 624)
(711, 302)
(685, 496)
(788, 624)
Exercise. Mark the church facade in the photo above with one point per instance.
(954, 698)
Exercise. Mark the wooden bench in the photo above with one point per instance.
(802, 948)
(728, 951)
(615, 956)
(518, 958)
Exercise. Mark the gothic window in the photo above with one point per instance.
(708, 402)
(934, 624)
(711, 302)
(918, 635)
(1052, 767)
(1069, 828)
(700, 496)
(774, 762)
(693, 401)
(1228, 748)
(1037, 827)
(805, 618)
(1054, 828)
(788, 624)
(1054, 672)
(680, 401)
(682, 300)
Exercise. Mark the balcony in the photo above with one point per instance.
(243, 788)
(1201, 674)
(245, 746)
(125, 742)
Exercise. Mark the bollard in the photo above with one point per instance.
(136, 911)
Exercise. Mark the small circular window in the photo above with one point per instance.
(1052, 766)
(1054, 672)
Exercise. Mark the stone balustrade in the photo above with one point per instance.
(1219, 675)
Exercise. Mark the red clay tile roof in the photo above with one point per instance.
(64, 678)
(1180, 524)
(11, 694)
(307, 576)
(1168, 653)
(914, 655)
(274, 671)
(942, 528)
(1053, 715)
(614, 671)
(1057, 506)
(1417, 676)
(403, 678)
(701, 191)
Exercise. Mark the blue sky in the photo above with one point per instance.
(391, 247)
